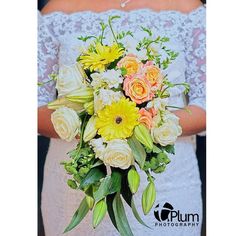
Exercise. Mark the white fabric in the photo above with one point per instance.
(180, 183)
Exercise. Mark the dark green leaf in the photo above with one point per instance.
(110, 184)
(170, 149)
(109, 200)
(138, 151)
(94, 175)
(120, 216)
(78, 216)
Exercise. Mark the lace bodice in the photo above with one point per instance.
(58, 44)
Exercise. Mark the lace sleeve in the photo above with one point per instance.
(196, 59)
(47, 61)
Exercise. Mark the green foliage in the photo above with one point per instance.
(110, 184)
(79, 215)
(120, 216)
(93, 176)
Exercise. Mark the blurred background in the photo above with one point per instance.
(43, 144)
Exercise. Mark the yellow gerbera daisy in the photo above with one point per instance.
(117, 120)
(100, 57)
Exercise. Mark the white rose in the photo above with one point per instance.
(70, 78)
(66, 123)
(170, 116)
(118, 154)
(166, 134)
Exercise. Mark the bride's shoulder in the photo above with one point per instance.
(186, 6)
(60, 5)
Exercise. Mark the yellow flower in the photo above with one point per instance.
(102, 55)
(117, 120)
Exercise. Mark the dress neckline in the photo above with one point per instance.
(123, 12)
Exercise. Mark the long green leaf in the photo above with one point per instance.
(120, 216)
(110, 184)
(136, 214)
(138, 151)
(78, 216)
(109, 200)
(128, 197)
(94, 175)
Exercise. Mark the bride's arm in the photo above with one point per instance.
(192, 122)
(195, 54)
(47, 63)
(45, 126)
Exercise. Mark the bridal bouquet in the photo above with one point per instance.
(114, 101)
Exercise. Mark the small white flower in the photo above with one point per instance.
(110, 78)
(66, 123)
(158, 103)
(105, 97)
(98, 147)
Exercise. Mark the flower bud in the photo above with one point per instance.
(90, 201)
(89, 107)
(99, 212)
(148, 197)
(81, 95)
(72, 184)
(133, 180)
(63, 102)
(90, 130)
(143, 135)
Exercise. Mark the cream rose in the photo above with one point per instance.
(166, 134)
(66, 123)
(118, 154)
(70, 78)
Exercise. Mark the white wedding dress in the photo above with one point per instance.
(180, 184)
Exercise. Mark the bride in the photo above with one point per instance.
(60, 23)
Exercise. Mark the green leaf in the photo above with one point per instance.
(156, 149)
(94, 175)
(109, 201)
(110, 184)
(78, 216)
(136, 214)
(138, 151)
(170, 149)
(120, 217)
(72, 184)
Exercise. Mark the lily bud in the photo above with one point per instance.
(81, 95)
(90, 130)
(148, 197)
(90, 201)
(72, 184)
(143, 135)
(89, 107)
(99, 212)
(133, 180)
(63, 102)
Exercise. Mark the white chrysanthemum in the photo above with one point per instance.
(98, 147)
(158, 103)
(105, 97)
(110, 78)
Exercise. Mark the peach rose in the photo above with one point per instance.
(145, 118)
(153, 74)
(131, 63)
(138, 89)
(153, 111)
